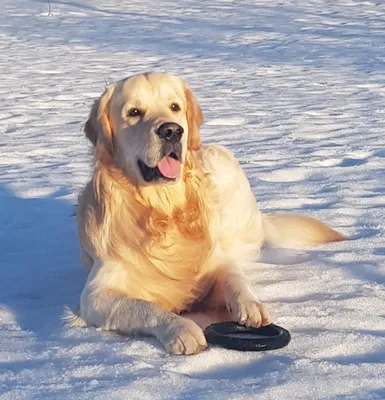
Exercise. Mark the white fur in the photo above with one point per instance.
(237, 221)
(130, 290)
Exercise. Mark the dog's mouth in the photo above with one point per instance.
(168, 169)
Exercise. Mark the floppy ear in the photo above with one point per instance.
(97, 127)
(194, 120)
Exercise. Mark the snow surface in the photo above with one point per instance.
(296, 89)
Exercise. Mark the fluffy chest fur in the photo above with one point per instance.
(160, 235)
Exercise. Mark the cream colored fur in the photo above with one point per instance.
(154, 251)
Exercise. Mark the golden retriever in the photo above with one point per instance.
(166, 223)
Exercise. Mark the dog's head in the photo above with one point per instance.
(147, 123)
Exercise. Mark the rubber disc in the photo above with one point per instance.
(238, 337)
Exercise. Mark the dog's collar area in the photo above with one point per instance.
(152, 174)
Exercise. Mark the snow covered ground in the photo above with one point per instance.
(297, 90)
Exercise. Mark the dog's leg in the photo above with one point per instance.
(109, 308)
(232, 290)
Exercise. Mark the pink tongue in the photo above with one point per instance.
(169, 167)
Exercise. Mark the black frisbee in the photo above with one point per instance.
(238, 337)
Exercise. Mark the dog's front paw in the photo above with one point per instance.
(182, 336)
(249, 312)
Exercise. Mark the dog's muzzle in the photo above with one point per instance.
(168, 168)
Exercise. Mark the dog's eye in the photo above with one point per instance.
(134, 112)
(175, 107)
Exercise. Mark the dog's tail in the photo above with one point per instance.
(72, 319)
(297, 231)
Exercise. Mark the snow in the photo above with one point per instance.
(297, 90)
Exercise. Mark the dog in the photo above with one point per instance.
(166, 223)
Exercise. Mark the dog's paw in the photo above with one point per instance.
(249, 312)
(182, 336)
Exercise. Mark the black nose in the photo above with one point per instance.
(170, 131)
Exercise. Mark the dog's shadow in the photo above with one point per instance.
(40, 265)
